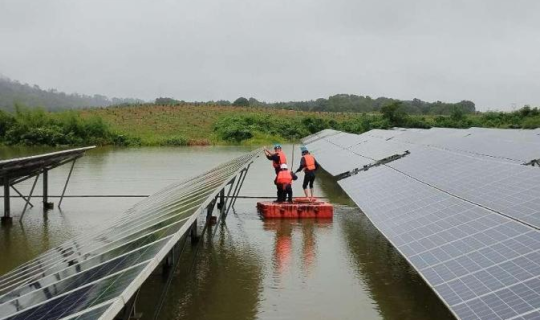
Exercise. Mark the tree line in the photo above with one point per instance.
(344, 103)
(13, 92)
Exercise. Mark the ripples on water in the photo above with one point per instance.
(252, 269)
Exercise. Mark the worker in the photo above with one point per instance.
(309, 165)
(283, 182)
(278, 157)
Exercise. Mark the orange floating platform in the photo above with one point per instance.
(300, 208)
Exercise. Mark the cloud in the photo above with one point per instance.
(481, 50)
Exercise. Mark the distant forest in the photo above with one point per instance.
(344, 103)
(13, 92)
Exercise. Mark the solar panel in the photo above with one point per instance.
(376, 150)
(319, 135)
(513, 145)
(511, 189)
(334, 159)
(460, 208)
(341, 153)
(14, 168)
(482, 265)
(345, 140)
(386, 134)
(91, 313)
(94, 275)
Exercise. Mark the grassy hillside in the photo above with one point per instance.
(162, 125)
(209, 124)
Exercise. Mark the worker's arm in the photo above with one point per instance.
(302, 165)
(294, 176)
(316, 165)
(273, 157)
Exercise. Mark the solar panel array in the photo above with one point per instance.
(467, 220)
(93, 276)
(19, 167)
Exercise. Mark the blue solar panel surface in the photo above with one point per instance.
(466, 216)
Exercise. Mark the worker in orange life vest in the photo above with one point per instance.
(278, 157)
(309, 165)
(283, 183)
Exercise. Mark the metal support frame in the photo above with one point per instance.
(22, 196)
(46, 204)
(384, 161)
(8, 183)
(67, 181)
(6, 218)
(129, 311)
(224, 204)
(169, 266)
(239, 185)
(29, 197)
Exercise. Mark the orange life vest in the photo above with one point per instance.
(282, 159)
(284, 177)
(310, 162)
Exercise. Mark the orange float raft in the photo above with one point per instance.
(300, 208)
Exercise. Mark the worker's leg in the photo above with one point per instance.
(282, 193)
(279, 191)
(288, 190)
(305, 185)
(311, 180)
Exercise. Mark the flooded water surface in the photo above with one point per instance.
(245, 269)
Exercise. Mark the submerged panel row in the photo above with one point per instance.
(93, 275)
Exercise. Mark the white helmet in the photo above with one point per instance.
(283, 166)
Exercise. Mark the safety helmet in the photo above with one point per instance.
(277, 146)
(303, 149)
(283, 166)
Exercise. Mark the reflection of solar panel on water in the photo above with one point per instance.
(461, 205)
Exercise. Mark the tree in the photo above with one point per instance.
(241, 102)
(394, 113)
(457, 114)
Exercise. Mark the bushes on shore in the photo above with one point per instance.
(240, 128)
(38, 127)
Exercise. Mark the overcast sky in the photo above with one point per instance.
(487, 51)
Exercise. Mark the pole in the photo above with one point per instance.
(29, 197)
(6, 200)
(292, 162)
(45, 188)
(67, 181)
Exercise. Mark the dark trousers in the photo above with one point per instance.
(284, 191)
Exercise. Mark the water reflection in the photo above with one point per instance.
(222, 281)
(397, 288)
(283, 243)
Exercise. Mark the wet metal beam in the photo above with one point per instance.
(6, 218)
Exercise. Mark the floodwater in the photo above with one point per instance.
(248, 268)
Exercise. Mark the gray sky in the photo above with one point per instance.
(487, 51)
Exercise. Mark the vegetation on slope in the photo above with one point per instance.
(202, 125)
(39, 127)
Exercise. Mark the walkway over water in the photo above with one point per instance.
(98, 275)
